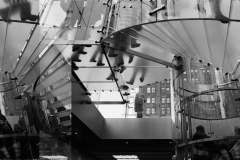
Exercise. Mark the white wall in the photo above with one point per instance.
(139, 128)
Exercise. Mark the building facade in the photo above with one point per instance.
(157, 101)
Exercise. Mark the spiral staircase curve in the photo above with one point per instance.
(205, 30)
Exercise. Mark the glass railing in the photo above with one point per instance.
(128, 13)
(59, 97)
(206, 118)
(52, 69)
(54, 85)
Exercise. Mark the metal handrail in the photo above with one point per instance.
(208, 140)
(18, 135)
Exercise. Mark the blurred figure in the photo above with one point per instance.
(224, 151)
(235, 144)
(20, 127)
(5, 143)
(138, 105)
(23, 7)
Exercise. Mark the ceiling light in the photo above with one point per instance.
(55, 157)
(122, 157)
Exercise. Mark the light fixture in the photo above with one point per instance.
(55, 157)
(122, 157)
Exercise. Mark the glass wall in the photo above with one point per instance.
(206, 111)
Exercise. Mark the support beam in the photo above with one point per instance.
(145, 56)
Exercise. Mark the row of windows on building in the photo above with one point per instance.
(151, 100)
(153, 89)
(203, 70)
(153, 111)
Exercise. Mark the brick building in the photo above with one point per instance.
(157, 99)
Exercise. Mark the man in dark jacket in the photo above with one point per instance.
(201, 150)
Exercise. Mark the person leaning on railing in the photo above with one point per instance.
(202, 151)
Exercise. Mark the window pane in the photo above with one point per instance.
(168, 111)
(148, 100)
(163, 110)
(153, 100)
(163, 100)
(148, 111)
(168, 100)
(153, 90)
(148, 90)
(153, 110)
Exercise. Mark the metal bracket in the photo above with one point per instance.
(102, 30)
(87, 93)
(99, 40)
(157, 9)
(106, 3)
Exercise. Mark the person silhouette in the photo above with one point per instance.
(200, 150)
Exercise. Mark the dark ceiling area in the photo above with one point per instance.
(92, 147)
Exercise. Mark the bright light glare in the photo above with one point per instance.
(55, 157)
(121, 157)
